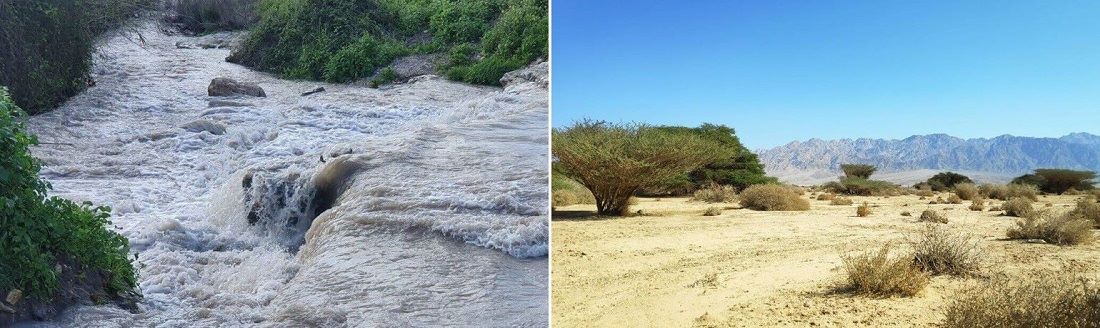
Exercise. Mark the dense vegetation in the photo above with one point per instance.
(944, 181)
(46, 46)
(37, 231)
(205, 16)
(1058, 180)
(347, 40)
(862, 171)
(740, 169)
(614, 160)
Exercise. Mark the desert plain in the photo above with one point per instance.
(671, 266)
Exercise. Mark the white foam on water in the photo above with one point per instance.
(430, 208)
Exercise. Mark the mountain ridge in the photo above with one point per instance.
(914, 158)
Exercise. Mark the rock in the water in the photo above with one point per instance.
(14, 296)
(318, 89)
(204, 125)
(228, 87)
(226, 103)
(537, 73)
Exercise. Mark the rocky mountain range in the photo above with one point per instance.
(916, 158)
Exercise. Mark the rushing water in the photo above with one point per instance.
(429, 208)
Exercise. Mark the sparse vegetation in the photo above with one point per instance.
(1018, 207)
(1006, 192)
(862, 171)
(1055, 229)
(863, 210)
(939, 250)
(826, 196)
(48, 44)
(712, 211)
(715, 193)
(614, 161)
(954, 199)
(967, 191)
(932, 216)
(841, 201)
(1088, 209)
(772, 197)
(978, 204)
(879, 274)
(38, 231)
(1046, 300)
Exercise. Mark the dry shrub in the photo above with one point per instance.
(954, 199)
(567, 192)
(826, 196)
(967, 191)
(1088, 209)
(879, 274)
(906, 213)
(1072, 192)
(1018, 207)
(715, 193)
(932, 216)
(995, 209)
(1045, 300)
(771, 197)
(940, 250)
(925, 193)
(977, 204)
(863, 210)
(1006, 192)
(841, 201)
(712, 211)
(1055, 229)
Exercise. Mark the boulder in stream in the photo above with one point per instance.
(220, 87)
(214, 128)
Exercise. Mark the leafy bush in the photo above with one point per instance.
(1058, 181)
(940, 250)
(48, 44)
(715, 194)
(863, 210)
(1044, 300)
(387, 75)
(1059, 230)
(345, 40)
(740, 169)
(772, 197)
(967, 191)
(932, 216)
(1006, 192)
(841, 201)
(864, 187)
(204, 16)
(946, 180)
(879, 274)
(614, 161)
(862, 171)
(38, 230)
(1018, 207)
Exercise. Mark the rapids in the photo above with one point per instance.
(429, 208)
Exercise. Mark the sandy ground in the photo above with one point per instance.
(748, 268)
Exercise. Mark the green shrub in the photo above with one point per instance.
(946, 180)
(862, 171)
(740, 169)
(772, 197)
(1044, 299)
(39, 230)
(204, 16)
(879, 274)
(387, 75)
(48, 44)
(864, 187)
(614, 161)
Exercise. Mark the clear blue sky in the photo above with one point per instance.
(779, 71)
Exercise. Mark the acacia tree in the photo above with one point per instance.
(1058, 180)
(615, 160)
(862, 171)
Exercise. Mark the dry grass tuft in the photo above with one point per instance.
(841, 201)
(712, 211)
(878, 274)
(863, 210)
(826, 196)
(1006, 192)
(1065, 229)
(940, 250)
(954, 199)
(924, 193)
(1046, 300)
(1018, 207)
(770, 197)
(716, 193)
(1088, 209)
(967, 191)
(932, 216)
(977, 204)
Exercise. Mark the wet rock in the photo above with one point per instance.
(196, 126)
(75, 287)
(317, 90)
(14, 296)
(227, 103)
(220, 87)
(537, 73)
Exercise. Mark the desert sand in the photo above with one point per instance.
(744, 268)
